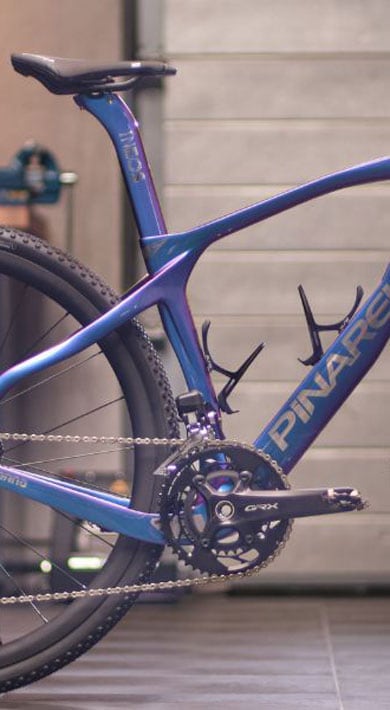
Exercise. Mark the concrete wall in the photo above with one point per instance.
(270, 94)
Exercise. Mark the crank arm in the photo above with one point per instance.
(265, 506)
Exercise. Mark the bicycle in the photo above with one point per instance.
(224, 507)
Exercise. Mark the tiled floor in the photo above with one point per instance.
(215, 651)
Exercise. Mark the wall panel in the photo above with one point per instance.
(270, 94)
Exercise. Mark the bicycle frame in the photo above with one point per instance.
(170, 259)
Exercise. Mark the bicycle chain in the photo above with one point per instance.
(162, 586)
(77, 439)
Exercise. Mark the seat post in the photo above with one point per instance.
(122, 127)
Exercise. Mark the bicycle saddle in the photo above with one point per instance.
(77, 76)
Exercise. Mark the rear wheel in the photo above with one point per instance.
(115, 387)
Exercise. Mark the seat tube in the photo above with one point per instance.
(114, 114)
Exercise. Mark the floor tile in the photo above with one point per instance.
(222, 652)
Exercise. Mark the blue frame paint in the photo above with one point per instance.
(170, 259)
(108, 511)
(328, 384)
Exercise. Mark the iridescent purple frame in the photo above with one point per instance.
(170, 259)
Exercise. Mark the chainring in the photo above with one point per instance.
(186, 518)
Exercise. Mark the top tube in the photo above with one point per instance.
(158, 250)
(157, 245)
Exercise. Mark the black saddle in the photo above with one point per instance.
(77, 76)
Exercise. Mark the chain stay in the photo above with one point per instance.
(162, 586)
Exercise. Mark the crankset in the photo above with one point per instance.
(227, 507)
(205, 531)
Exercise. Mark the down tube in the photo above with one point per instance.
(321, 394)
